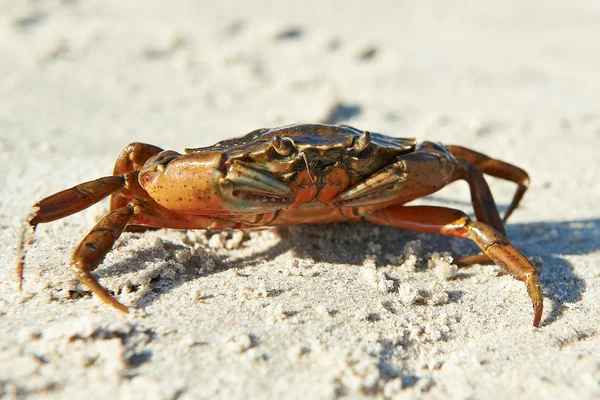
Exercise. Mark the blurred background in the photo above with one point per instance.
(81, 75)
(187, 72)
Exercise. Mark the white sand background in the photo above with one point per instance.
(313, 311)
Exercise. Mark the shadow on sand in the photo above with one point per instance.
(349, 243)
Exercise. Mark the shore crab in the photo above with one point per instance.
(306, 173)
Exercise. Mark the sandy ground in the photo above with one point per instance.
(310, 312)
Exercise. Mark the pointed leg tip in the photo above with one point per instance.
(538, 309)
(537, 298)
(123, 308)
(90, 281)
(537, 319)
(20, 265)
(113, 302)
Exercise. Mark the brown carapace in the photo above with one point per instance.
(309, 173)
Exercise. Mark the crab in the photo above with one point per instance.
(297, 174)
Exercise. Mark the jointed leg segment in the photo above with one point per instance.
(132, 158)
(497, 168)
(63, 204)
(91, 251)
(94, 247)
(446, 221)
(123, 186)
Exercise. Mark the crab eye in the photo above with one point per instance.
(283, 147)
(361, 143)
(163, 158)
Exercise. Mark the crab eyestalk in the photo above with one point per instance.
(361, 143)
(283, 147)
(155, 166)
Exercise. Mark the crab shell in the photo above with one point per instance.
(303, 166)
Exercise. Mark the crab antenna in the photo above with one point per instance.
(308, 168)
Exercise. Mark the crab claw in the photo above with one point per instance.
(209, 184)
(410, 176)
(254, 186)
(376, 188)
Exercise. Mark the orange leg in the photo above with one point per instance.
(483, 204)
(94, 247)
(481, 196)
(132, 158)
(65, 203)
(91, 251)
(123, 185)
(497, 168)
(446, 221)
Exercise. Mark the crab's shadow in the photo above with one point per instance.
(352, 243)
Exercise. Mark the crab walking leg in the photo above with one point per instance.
(71, 201)
(132, 158)
(483, 204)
(470, 261)
(60, 205)
(481, 196)
(94, 247)
(446, 221)
(90, 253)
(497, 168)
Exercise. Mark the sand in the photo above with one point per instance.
(347, 310)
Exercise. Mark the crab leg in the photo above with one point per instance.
(124, 182)
(497, 168)
(65, 203)
(482, 199)
(132, 158)
(94, 247)
(91, 251)
(450, 222)
(484, 205)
